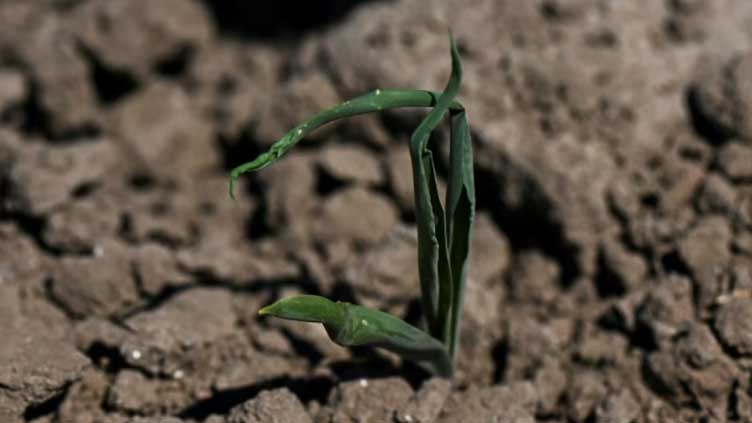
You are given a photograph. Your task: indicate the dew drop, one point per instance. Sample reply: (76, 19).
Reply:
(363, 383)
(378, 91)
(136, 354)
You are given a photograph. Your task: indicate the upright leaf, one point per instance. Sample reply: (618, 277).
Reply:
(460, 205)
(436, 285)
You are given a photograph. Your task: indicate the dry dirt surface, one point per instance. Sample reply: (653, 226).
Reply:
(611, 275)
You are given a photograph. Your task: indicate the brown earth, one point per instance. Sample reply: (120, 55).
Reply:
(611, 274)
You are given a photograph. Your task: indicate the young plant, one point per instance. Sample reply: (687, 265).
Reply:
(443, 233)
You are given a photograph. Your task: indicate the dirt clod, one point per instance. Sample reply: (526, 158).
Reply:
(725, 97)
(515, 402)
(100, 285)
(620, 406)
(13, 89)
(733, 324)
(269, 406)
(426, 403)
(153, 33)
(351, 164)
(43, 178)
(373, 400)
(33, 369)
(174, 327)
(357, 215)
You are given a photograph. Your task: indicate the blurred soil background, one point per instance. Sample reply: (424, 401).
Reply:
(611, 275)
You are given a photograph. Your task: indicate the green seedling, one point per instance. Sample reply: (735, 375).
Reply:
(443, 232)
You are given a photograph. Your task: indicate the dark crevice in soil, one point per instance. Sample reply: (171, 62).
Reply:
(591, 417)
(238, 151)
(35, 118)
(703, 127)
(549, 418)
(671, 262)
(413, 374)
(304, 348)
(84, 190)
(176, 64)
(607, 282)
(732, 412)
(615, 320)
(50, 296)
(154, 302)
(65, 6)
(407, 216)
(126, 233)
(222, 402)
(34, 121)
(500, 354)
(643, 337)
(326, 184)
(343, 291)
(34, 227)
(234, 153)
(728, 350)
(141, 181)
(653, 382)
(110, 84)
(414, 314)
(46, 408)
(171, 242)
(125, 227)
(206, 280)
(650, 200)
(369, 363)
(12, 116)
(256, 226)
(527, 228)
(284, 19)
(109, 359)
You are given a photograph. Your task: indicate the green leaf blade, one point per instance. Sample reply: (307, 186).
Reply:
(445, 284)
(460, 203)
(433, 262)
(352, 325)
(376, 100)
(305, 308)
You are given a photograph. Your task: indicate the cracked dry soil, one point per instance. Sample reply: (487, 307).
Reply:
(612, 261)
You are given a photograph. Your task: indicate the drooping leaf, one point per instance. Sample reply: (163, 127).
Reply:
(352, 325)
(374, 101)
